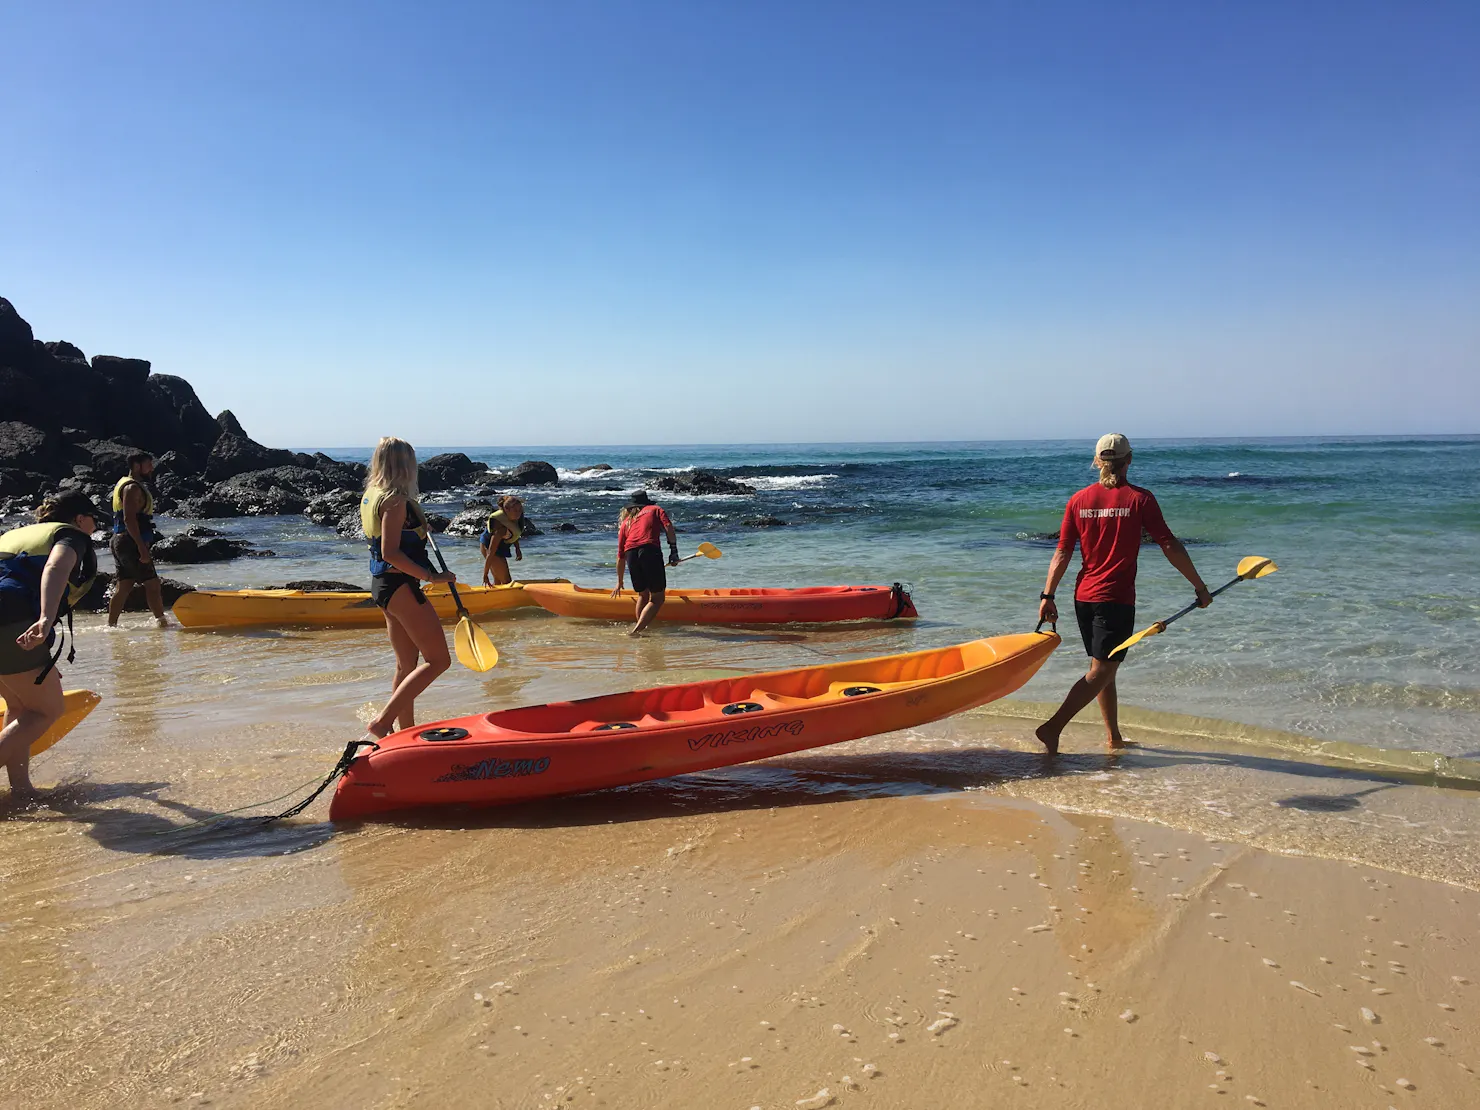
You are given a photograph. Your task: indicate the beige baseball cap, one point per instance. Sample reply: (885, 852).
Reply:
(1112, 446)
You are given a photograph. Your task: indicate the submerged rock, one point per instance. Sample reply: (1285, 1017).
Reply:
(701, 483)
(764, 522)
(532, 473)
(324, 585)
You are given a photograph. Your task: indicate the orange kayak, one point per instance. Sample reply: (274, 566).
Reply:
(76, 705)
(779, 606)
(568, 747)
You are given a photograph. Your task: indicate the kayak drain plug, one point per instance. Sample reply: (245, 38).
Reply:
(444, 734)
(854, 691)
(742, 707)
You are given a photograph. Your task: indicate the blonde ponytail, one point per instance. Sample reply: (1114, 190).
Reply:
(1112, 471)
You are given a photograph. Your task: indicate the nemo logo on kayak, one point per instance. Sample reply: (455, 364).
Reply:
(745, 735)
(495, 769)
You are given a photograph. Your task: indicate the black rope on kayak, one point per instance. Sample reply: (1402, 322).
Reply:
(350, 754)
(901, 596)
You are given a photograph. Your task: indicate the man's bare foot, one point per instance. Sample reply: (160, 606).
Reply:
(1048, 738)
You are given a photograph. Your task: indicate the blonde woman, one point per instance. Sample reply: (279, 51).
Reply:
(1106, 520)
(396, 530)
(500, 538)
(45, 569)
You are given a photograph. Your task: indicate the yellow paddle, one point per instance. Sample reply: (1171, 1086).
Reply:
(708, 550)
(474, 649)
(1254, 566)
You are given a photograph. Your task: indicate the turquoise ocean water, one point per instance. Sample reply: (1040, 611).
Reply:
(1367, 634)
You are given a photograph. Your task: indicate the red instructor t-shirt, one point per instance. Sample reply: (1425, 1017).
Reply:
(640, 530)
(1107, 525)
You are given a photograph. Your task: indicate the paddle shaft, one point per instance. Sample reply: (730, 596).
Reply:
(1193, 606)
(452, 586)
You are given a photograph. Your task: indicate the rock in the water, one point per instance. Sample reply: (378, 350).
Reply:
(96, 599)
(348, 525)
(700, 482)
(763, 522)
(349, 475)
(107, 457)
(566, 526)
(532, 473)
(199, 545)
(173, 462)
(450, 469)
(438, 523)
(324, 586)
(470, 521)
(593, 469)
(233, 455)
(328, 509)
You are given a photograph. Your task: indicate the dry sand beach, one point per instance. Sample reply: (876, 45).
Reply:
(931, 918)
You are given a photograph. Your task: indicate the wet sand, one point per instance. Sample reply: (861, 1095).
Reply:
(930, 918)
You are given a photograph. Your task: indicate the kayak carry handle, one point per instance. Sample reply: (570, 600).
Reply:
(1054, 625)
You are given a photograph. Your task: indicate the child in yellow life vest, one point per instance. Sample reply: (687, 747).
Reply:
(500, 536)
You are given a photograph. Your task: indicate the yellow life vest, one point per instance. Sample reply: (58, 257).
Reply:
(500, 518)
(146, 514)
(413, 536)
(23, 555)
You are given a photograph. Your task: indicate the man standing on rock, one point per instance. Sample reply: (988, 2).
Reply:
(133, 539)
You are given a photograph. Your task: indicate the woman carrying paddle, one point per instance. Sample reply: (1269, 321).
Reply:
(1106, 520)
(45, 569)
(500, 536)
(640, 529)
(396, 530)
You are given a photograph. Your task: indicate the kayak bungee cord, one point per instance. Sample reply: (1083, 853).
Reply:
(350, 753)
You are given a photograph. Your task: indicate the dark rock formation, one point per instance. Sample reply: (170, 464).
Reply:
(438, 523)
(198, 544)
(447, 470)
(593, 469)
(532, 473)
(205, 507)
(700, 482)
(763, 522)
(96, 599)
(566, 526)
(470, 521)
(328, 509)
(325, 586)
(123, 371)
(233, 454)
(24, 446)
(228, 423)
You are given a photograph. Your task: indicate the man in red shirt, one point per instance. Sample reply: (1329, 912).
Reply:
(641, 527)
(1106, 521)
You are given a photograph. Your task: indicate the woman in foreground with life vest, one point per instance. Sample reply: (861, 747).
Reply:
(396, 530)
(1106, 519)
(45, 569)
(500, 537)
(640, 529)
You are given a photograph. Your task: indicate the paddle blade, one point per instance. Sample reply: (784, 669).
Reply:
(1154, 630)
(1255, 566)
(709, 551)
(474, 649)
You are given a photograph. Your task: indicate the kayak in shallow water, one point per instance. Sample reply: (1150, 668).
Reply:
(332, 609)
(777, 606)
(76, 705)
(616, 739)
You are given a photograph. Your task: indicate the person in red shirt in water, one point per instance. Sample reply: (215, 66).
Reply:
(1106, 521)
(640, 529)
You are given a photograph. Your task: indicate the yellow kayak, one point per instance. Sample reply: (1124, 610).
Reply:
(244, 608)
(76, 704)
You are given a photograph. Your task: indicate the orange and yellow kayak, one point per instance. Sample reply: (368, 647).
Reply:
(244, 608)
(76, 705)
(773, 606)
(567, 747)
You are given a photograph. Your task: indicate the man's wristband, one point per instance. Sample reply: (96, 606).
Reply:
(1045, 597)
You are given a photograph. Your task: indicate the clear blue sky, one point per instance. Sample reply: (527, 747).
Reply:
(608, 222)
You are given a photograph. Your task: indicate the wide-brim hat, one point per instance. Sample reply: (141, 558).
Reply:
(640, 497)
